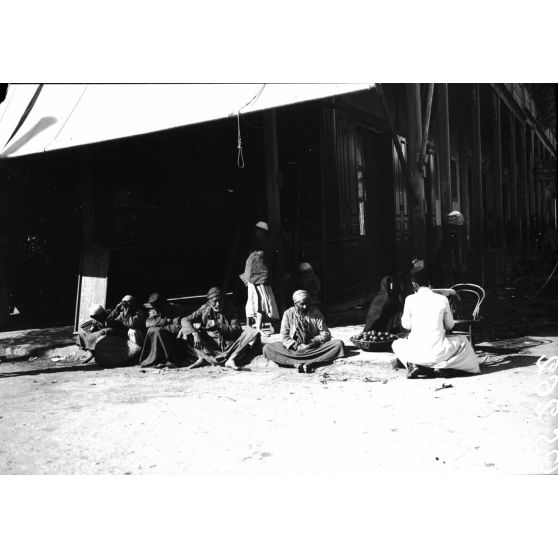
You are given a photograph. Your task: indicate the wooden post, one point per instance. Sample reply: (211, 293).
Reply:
(512, 195)
(274, 200)
(395, 138)
(418, 218)
(478, 211)
(532, 197)
(445, 162)
(497, 170)
(523, 195)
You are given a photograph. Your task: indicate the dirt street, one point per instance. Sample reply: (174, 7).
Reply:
(355, 419)
(356, 416)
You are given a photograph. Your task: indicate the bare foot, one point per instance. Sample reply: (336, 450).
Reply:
(231, 364)
(196, 364)
(308, 368)
(87, 358)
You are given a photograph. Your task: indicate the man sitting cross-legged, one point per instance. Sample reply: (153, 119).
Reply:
(219, 338)
(305, 338)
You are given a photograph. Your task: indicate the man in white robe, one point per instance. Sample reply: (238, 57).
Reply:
(428, 316)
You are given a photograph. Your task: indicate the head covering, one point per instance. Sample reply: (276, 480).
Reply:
(96, 310)
(155, 298)
(300, 295)
(128, 298)
(455, 218)
(384, 308)
(214, 292)
(262, 225)
(305, 266)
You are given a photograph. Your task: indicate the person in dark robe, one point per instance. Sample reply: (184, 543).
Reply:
(307, 280)
(218, 338)
(91, 331)
(128, 320)
(386, 308)
(305, 339)
(161, 347)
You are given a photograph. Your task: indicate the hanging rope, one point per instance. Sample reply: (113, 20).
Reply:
(240, 154)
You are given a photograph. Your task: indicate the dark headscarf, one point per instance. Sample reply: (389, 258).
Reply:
(384, 313)
(156, 299)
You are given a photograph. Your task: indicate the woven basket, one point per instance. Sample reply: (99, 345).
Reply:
(373, 346)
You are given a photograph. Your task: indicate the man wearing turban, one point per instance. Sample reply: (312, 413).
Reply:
(305, 339)
(214, 334)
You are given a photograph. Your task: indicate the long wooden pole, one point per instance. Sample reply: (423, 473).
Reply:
(426, 122)
(397, 144)
(445, 162)
(478, 210)
(497, 170)
(418, 220)
(274, 199)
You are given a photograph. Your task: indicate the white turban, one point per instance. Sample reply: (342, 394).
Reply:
(455, 218)
(300, 295)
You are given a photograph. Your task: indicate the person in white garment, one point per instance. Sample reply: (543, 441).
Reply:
(428, 316)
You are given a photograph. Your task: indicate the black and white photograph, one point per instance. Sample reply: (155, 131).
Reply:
(277, 274)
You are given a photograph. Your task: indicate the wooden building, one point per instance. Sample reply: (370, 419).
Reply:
(356, 182)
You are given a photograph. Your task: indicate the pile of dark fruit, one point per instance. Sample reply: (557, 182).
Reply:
(376, 336)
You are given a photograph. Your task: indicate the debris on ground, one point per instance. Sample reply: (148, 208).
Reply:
(444, 386)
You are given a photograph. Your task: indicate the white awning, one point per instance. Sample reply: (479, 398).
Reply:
(35, 118)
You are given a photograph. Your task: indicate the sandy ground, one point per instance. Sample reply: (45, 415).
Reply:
(359, 415)
(353, 417)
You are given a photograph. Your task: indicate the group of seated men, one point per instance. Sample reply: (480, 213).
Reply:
(168, 336)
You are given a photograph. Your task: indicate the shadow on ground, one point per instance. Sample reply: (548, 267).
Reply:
(508, 362)
(37, 371)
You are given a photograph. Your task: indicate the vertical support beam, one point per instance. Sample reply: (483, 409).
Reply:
(445, 162)
(532, 198)
(523, 194)
(464, 205)
(478, 211)
(499, 213)
(418, 218)
(273, 197)
(513, 187)
(88, 218)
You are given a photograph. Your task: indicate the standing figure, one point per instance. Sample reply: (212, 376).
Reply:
(428, 316)
(161, 346)
(219, 338)
(305, 339)
(257, 277)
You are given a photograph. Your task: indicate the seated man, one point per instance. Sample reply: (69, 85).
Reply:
(161, 347)
(428, 316)
(128, 320)
(305, 338)
(219, 339)
(91, 331)
(384, 313)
